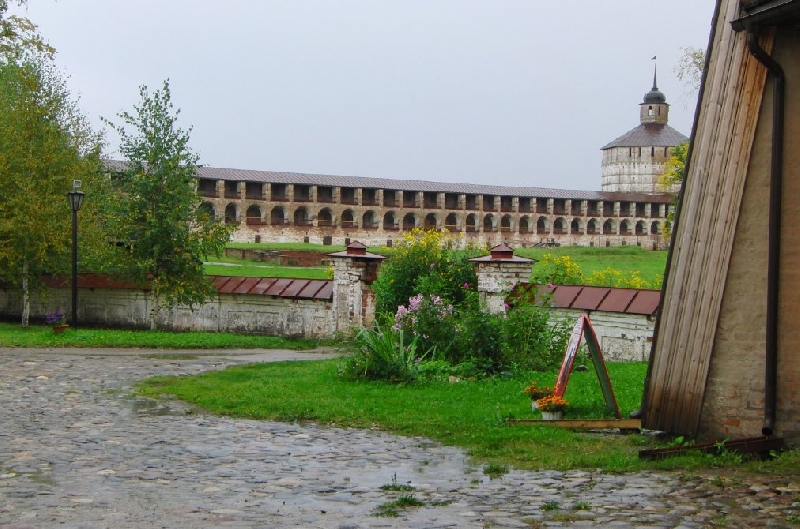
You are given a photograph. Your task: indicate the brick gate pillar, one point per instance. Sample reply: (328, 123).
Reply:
(498, 274)
(354, 270)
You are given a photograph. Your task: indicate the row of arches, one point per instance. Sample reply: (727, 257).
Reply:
(472, 222)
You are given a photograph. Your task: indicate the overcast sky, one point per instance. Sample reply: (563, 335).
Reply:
(521, 92)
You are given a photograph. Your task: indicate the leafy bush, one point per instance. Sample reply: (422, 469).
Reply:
(531, 340)
(557, 270)
(381, 354)
(425, 262)
(430, 319)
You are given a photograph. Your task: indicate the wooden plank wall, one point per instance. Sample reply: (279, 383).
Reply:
(731, 97)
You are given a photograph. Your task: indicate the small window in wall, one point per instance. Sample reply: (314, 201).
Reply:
(650, 110)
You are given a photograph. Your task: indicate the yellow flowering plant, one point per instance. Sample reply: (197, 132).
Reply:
(535, 392)
(552, 403)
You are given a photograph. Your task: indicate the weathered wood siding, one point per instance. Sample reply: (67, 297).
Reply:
(702, 243)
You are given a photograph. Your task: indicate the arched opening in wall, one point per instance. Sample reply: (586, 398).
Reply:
(506, 224)
(390, 222)
(489, 224)
(207, 208)
(253, 216)
(640, 228)
(559, 226)
(409, 222)
(277, 216)
(575, 226)
(608, 227)
(650, 110)
(451, 222)
(430, 222)
(525, 224)
(624, 227)
(348, 220)
(472, 222)
(591, 226)
(324, 218)
(301, 217)
(541, 226)
(230, 213)
(655, 228)
(368, 221)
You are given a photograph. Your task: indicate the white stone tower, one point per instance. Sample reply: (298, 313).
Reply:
(633, 162)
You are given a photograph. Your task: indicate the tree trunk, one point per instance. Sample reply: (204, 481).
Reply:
(26, 295)
(154, 313)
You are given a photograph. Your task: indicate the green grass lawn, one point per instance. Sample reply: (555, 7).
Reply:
(13, 335)
(624, 258)
(468, 414)
(230, 266)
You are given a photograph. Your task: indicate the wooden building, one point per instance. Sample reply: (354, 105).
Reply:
(725, 360)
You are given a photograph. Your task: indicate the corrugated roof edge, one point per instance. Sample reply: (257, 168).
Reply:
(276, 177)
(313, 289)
(636, 300)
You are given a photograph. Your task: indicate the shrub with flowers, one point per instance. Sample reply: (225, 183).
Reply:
(428, 318)
(536, 392)
(552, 403)
(425, 262)
(54, 319)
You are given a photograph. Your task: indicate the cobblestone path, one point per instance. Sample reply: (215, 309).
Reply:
(79, 450)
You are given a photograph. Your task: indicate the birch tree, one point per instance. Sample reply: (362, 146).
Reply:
(159, 215)
(45, 144)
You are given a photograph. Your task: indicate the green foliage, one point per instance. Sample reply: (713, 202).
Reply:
(45, 144)
(429, 319)
(531, 340)
(616, 278)
(381, 354)
(158, 207)
(626, 259)
(690, 67)
(424, 262)
(19, 38)
(557, 270)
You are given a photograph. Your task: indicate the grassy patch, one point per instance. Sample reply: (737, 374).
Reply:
(624, 258)
(468, 414)
(13, 335)
(231, 266)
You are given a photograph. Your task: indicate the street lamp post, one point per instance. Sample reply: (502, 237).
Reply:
(75, 198)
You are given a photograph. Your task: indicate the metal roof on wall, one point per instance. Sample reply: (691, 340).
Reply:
(589, 298)
(275, 177)
(313, 289)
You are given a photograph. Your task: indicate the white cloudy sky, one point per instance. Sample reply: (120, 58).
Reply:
(508, 92)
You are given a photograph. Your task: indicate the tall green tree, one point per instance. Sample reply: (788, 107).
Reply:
(18, 36)
(45, 144)
(159, 217)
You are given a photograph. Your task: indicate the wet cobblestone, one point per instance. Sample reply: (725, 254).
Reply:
(78, 449)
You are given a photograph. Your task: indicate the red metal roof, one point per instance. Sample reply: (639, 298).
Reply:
(589, 298)
(258, 286)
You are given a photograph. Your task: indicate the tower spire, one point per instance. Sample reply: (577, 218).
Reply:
(655, 71)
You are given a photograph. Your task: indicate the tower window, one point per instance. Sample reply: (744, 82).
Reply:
(650, 110)
(652, 152)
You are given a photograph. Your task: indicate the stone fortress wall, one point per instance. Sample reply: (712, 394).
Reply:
(631, 209)
(294, 207)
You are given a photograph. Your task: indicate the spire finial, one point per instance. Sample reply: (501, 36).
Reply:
(655, 68)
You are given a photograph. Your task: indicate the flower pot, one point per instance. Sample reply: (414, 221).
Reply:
(58, 329)
(534, 405)
(551, 415)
